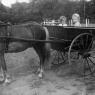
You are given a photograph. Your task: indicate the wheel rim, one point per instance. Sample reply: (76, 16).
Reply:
(83, 47)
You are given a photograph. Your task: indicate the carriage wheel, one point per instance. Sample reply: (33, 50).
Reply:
(82, 54)
(58, 57)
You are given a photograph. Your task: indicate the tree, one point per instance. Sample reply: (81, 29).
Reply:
(37, 10)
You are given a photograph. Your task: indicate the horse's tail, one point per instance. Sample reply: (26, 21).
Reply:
(47, 45)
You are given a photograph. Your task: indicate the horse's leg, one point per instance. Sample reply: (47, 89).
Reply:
(41, 57)
(4, 68)
(1, 74)
(43, 54)
(41, 66)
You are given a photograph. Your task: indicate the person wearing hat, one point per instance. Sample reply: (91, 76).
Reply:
(62, 21)
(76, 20)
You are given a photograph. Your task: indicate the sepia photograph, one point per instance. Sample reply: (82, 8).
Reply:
(47, 47)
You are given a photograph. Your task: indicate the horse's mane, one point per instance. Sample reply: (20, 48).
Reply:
(29, 23)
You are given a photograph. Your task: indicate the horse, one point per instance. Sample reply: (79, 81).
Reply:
(13, 39)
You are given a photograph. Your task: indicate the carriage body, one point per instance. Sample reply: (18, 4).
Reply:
(76, 41)
(65, 35)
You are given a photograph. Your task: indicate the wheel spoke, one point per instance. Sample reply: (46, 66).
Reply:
(84, 66)
(89, 66)
(74, 55)
(82, 41)
(92, 50)
(93, 56)
(86, 43)
(90, 44)
(58, 58)
(73, 50)
(91, 61)
(62, 56)
(55, 56)
(79, 46)
(76, 44)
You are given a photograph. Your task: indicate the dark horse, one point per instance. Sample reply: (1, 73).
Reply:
(14, 38)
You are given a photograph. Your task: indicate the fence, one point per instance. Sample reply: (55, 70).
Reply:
(84, 22)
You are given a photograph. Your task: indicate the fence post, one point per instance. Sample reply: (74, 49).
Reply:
(86, 22)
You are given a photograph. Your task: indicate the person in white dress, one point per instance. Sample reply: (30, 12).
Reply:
(76, 20)
(62, 21)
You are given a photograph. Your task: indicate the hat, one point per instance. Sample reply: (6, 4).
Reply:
(76, 15)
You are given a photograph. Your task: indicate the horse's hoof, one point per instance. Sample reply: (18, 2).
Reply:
(40, 76)
(7, 81)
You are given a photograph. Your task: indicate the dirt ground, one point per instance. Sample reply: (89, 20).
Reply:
(57, 81)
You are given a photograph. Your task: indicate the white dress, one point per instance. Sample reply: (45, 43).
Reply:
(77, 24)
(62, 24)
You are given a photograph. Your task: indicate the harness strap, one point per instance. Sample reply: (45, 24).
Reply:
(47, 33)
(8, 30)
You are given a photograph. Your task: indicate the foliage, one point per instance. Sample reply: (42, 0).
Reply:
(37, 10)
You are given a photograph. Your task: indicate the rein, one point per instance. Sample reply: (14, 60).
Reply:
(33, 40)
